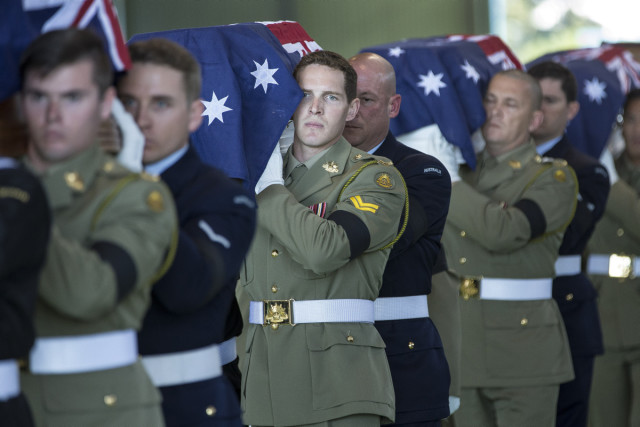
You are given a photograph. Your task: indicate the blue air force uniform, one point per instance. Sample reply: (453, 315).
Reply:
(572, 290)
(416, 355)
(191, 303)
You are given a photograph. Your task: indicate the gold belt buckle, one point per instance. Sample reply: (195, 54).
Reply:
(620, 266)
(277, 312)
(470, 288)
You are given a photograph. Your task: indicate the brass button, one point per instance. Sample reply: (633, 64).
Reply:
(569, 297)
(211, 410)
(108, 166)
(620, 232)
(411, 345)
(274, 288)
(274, 326)
(275, 253)
(463, 260)
(110, 399)
(524, 322)
(350, 338)
(463, 233)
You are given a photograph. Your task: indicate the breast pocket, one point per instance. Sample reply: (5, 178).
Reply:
(348, 364)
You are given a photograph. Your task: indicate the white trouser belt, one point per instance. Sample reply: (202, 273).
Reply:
(613, 265)
(228, 351)
(397, 308)
(184, 367)
(84, 353)
(291, 312)
(9, 379)
(568, 265)
(506, 289)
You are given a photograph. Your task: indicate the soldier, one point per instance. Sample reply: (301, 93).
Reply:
(572, 290)
(183, 336)
(416, 356)
(325, 228)
(25, 222)
(503, 232)
(613, 266)
(113, 234)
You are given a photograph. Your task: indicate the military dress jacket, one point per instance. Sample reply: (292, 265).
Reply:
(416, 355)
(111, 237)
(618, 232)
(324, 236)
(25, 222)
(575, 294)
(190, 303)
(506, 220)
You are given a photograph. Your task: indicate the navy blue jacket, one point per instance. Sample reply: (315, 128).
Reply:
(25, 223)
(575, 295)
(420, 375)
(191, 302)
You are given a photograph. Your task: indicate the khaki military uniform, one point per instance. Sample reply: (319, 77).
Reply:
(616, 377)
(495, 211)
(304, 250)
(96, 201)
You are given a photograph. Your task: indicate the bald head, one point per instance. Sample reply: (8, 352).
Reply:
(378, 101)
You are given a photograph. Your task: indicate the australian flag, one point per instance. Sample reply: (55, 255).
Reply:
(442, 81)
(604, 75)
(248, 91)
(21, 21)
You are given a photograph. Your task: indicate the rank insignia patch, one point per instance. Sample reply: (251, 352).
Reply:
(384, 180)
(559, 175)
(359, 204)
(330, 167)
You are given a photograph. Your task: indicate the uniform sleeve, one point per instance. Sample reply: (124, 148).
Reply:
(429, 187)
(365, 219)
(212, 245)
(25, 222)
(547, 205)
(130, 241)
(624, 206)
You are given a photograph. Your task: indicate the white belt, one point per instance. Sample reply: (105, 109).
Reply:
(9, 379)
(397, 308)
(506, 289)
(84, 353)
(568, 265)
(613, 265)
(291, 312)
(227, 351)
(184, 367)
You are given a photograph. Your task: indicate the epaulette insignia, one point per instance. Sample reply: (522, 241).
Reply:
(559, 175)
(74, 181)
(331, 167)
(384, 180)
(148, 177)
(560, 162)
(515, 164)
(538, 158)
(359, 204)
(108, 166)
(155, 201)
(357, 157)
(382, 162)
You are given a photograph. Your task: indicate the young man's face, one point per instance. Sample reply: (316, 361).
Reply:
(631, 130)
(155, 96)
(510, 115)
(63, 111)
(320, 117)
(556, 109)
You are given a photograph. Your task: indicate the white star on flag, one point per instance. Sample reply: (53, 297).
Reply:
(471, 72)
(594, 89)
(396, 51)
(431, 83)
(264, 75)
(214, 108)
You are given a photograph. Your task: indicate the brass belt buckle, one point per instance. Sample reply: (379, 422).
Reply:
(620, 266)
(278, 312)
(470, 288)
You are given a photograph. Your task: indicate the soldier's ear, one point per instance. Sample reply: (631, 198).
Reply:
(107, 100)
(574, 107)
(536, 120)
(195, 115)
(394, 105)
(354, 106)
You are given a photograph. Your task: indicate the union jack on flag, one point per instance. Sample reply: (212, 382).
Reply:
(604, 75)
